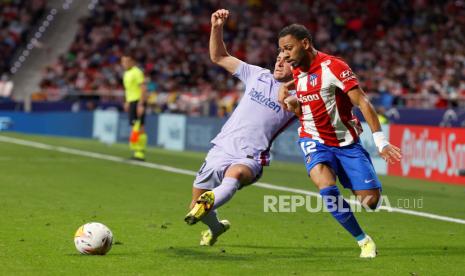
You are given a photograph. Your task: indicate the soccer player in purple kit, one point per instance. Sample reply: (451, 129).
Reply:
(241, 149)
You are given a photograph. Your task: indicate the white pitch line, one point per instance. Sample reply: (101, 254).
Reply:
(354, 202)
(193, 173)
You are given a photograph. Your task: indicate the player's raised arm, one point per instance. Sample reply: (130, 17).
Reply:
(388, 152)
(218, 52)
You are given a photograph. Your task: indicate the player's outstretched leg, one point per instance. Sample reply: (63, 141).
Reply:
(225, 191)
(325, 179)
(341, 211)
(210, 200)
(209, 218)
(201, 208)
(205, 203)
(370, 198)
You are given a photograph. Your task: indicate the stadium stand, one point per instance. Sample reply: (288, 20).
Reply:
(17, 17)
(405, 53)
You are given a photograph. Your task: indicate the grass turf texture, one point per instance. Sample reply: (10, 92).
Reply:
(45, 196)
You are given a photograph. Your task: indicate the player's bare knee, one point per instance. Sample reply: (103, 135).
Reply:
(324, 184)
(371, 201)
(369, 198)
(322, 176)
(322, 181)
(240, 172)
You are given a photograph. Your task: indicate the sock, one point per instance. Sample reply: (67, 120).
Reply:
(142, 141)
(134, 136)
(132, 146)
(225, 191)
(340, 210)
(211, 220)
(140, 145)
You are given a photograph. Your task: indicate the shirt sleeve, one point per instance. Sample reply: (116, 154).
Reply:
(245, 71)
(345, 76)
(139, 77)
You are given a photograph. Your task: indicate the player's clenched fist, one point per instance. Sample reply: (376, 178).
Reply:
(219, 17)
(289, 102)
(283, 93)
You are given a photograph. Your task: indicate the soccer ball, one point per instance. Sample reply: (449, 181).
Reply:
(93, 239)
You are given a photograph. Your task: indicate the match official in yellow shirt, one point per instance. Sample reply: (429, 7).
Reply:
(135, 103)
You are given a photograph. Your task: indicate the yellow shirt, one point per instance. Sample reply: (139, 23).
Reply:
(132, 80)
(383, 119)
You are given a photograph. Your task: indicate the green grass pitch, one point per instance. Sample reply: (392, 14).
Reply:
(46, 195)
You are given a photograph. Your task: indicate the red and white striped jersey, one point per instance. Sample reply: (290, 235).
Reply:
(326, 108)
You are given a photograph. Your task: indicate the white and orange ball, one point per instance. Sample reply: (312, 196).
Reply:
(93, 238)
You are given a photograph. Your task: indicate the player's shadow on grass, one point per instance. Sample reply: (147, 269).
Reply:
(253, 252)
(423, 251)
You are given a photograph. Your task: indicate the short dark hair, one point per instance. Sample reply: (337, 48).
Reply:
(128, 54)
(296, 30)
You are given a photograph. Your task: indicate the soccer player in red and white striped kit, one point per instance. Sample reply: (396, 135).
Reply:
(327, 90)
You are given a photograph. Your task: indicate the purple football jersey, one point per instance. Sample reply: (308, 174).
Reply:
(258, 118)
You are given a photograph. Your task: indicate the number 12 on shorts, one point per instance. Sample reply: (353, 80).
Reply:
(308, 147)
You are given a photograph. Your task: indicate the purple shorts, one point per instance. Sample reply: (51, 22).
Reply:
(217, 162)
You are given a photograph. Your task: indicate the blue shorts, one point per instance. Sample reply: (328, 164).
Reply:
(352, 163)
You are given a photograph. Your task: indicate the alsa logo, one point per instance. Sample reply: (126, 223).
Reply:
(309, 98)
(258, 97)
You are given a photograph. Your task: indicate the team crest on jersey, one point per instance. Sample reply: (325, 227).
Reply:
(313, 79)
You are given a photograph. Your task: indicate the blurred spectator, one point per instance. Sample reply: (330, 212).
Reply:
(406, 52)
(383, 119)
(16, 19)
(6, 87)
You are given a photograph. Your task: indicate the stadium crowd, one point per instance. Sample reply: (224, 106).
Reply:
(400, 49)
(16, 19)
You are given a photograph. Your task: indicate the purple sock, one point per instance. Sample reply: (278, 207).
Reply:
(225, 191)
(211, 220)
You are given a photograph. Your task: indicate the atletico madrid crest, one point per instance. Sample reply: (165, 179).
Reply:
(313, 79)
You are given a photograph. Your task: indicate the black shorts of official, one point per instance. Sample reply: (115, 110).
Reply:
(133, 113)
